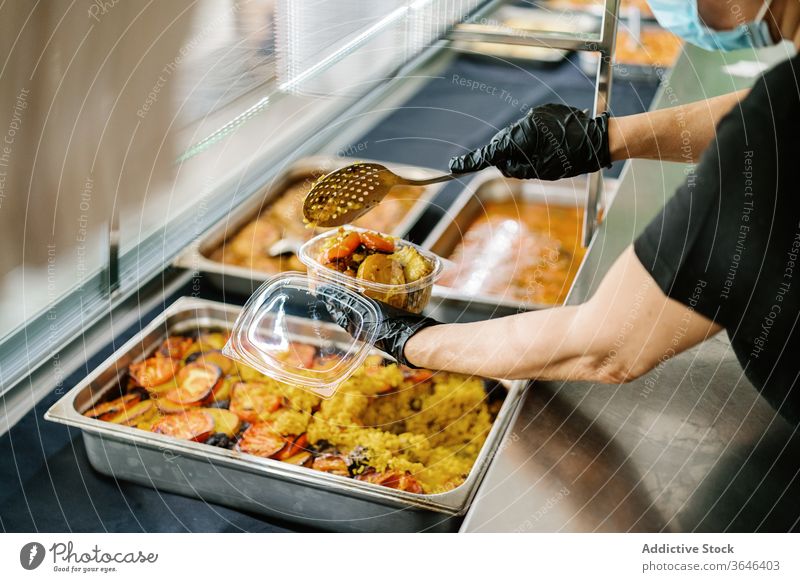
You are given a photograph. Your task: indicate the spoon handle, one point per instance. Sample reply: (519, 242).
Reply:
(436, 180)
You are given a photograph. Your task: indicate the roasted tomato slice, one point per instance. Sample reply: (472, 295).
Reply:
(192, 425)
(216, 358)
(175, 347)
(261, 440)
(110, 409)
(153, 371)
(326, 362)
(294, 446)
(251, 401)
(343, 249)
(416, 375)
(376, 242)
(402, 481)
(195, 382)
(300, 355)
(334, 464)
(132, 414)
(168, 406)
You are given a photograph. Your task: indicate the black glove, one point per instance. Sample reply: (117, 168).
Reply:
(551, 142)
(394, 330)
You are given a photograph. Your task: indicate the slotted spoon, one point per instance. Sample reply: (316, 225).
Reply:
(342, 196)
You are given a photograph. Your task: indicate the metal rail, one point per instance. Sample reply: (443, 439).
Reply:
(602, 43)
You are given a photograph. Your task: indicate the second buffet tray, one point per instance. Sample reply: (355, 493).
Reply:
(232, 254)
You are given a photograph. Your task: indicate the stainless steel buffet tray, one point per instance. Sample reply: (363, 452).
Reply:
(244, 280)
(491, 186)
(265, 486)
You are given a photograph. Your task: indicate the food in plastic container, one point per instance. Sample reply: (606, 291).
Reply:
(382, 267)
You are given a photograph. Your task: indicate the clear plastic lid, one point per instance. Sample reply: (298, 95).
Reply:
(285, 331)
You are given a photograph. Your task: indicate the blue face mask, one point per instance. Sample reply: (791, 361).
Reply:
(682, 18)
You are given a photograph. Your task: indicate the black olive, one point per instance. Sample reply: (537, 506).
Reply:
(323, 447)
(219, 439)
(357, 461)
(193, 356)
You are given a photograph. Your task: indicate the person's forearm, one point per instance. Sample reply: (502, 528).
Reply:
(676, 134)
(519, 346)
(624, 330)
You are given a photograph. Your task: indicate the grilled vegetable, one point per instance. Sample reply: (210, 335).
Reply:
(402, 481)
(415, 266)
(213, 357)
(302, 459)
(109, 409)
(153, 371)
(161, 389)
(294, 446)
(249, 374)
(417, 376)
(300, 355)
(192, 425)
(381, 269)
(131, 415)
(223, 389)
(175, 347)
(195, 382)
(225, 421)
(213, 341)
(375, 242)
(343, 248)
(168, 406)
(260, 440)
(148, 420)
(253, 401)
(334, 464)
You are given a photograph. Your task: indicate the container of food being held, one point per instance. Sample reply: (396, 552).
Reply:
(382, 267)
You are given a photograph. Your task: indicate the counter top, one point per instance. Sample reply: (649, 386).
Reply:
(689, 447)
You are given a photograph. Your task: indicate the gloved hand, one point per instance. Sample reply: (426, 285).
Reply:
(394, 330)
(551, 142)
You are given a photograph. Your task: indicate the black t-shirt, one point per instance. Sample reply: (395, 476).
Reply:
(728, 243)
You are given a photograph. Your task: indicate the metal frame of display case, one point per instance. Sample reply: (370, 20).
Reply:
(602, 43)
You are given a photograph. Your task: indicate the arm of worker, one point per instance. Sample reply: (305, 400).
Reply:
(622, 332)
(557, 141)
(675, 134)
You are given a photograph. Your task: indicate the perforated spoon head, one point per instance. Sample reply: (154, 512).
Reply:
(344, 195)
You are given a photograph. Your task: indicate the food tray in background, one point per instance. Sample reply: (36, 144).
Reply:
(553, 200)
(206, 254)
(627, 8)
(646, 60)
(529, 20)
(260, 485)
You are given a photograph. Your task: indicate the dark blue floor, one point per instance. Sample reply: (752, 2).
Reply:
(46, 483)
